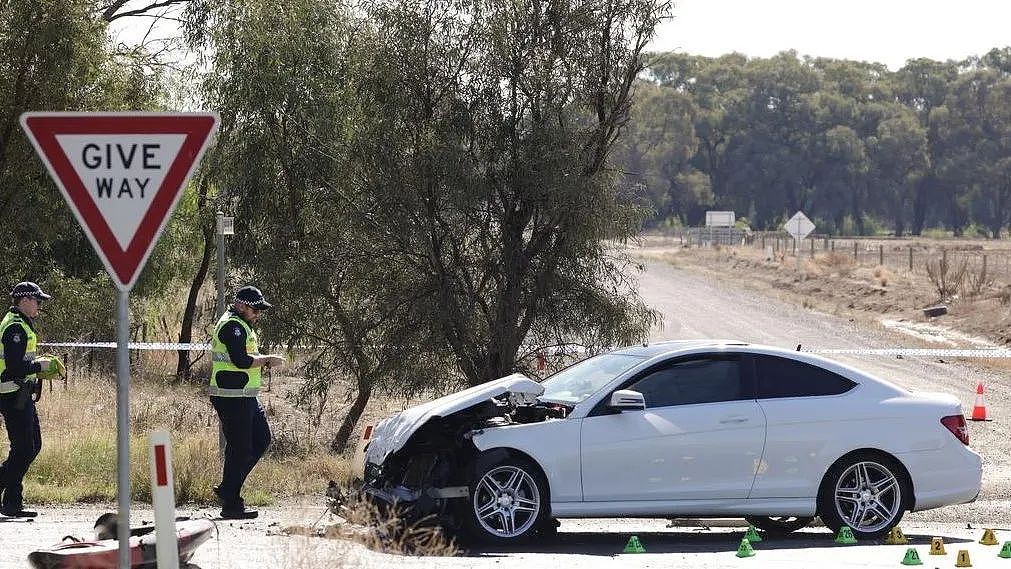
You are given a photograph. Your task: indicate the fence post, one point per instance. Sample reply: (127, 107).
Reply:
(824, 245)
(881, 254)
(910, 258)
(855, 257)
(832, 244)
(812, 248)
(983, 273)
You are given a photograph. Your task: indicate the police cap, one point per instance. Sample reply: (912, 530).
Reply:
(252, 297)
(29, 288)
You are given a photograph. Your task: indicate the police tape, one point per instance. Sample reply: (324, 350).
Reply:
(920, 352)
(893, 352)
(133, 346)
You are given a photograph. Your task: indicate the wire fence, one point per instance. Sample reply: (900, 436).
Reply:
(991, 259)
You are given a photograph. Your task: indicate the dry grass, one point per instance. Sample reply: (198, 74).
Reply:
(366, 524)
(78, 458)
(837, 263)
(883, 275)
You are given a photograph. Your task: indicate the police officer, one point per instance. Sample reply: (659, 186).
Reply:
(234, 385)
(18, 381)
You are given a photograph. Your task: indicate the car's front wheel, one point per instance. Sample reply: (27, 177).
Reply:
(508, 502)
(865, 491)
(779, 525)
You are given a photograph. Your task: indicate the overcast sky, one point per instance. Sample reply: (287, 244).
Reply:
(885, 31)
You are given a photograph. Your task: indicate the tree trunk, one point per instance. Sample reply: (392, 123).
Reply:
(340, 440)
(186, 331)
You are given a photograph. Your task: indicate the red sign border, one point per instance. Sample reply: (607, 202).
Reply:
(124, 266)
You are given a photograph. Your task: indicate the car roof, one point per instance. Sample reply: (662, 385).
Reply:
(661, 348)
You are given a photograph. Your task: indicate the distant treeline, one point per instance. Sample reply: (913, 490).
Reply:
(857, 147)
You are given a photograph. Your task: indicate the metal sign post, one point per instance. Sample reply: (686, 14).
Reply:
(799, 226)
(123, 425)
(122, 175)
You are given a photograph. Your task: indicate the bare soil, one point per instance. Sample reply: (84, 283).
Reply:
(876, 295)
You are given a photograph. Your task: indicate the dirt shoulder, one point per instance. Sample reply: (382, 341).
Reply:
(871, 295)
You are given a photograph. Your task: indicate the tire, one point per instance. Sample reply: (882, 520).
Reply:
(866, 491)
(779, 525)
(508, 502)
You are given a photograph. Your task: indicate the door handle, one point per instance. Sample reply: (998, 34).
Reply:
(733, 420)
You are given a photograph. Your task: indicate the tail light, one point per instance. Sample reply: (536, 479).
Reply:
(956, 424)
(368, 432)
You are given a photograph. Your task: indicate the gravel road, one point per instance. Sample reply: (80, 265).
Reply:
(694, 307)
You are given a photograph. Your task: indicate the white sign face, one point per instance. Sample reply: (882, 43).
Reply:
(799, 226)
(122, 172)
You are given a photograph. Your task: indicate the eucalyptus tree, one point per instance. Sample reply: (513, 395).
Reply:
(656, 148)
(492, 156)
(772, 153)
(426, 183)
(290, 85)
(922, 85)
(976, 128)
(900, 158)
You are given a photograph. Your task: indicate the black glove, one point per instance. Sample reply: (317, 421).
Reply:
(36, 391)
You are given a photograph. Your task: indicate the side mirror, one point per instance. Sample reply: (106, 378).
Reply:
(627, 400)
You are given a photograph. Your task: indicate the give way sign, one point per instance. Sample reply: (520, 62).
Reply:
(122, 174)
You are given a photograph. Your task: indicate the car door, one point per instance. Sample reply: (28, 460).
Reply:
(805, 416)
(700, 437)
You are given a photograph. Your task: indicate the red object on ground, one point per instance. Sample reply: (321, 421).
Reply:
(104, 553)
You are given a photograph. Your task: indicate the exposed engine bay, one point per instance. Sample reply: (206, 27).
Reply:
(437, 463)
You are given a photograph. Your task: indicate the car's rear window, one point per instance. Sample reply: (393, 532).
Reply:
(577, 382)
(783, 377)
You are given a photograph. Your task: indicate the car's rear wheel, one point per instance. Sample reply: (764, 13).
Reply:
(779, 525)
(865, 491)
(508, 502)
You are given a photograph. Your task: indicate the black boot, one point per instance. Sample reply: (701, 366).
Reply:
(18, 513)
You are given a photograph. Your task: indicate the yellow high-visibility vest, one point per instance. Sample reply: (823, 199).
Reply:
(222, 362)
(14, 319)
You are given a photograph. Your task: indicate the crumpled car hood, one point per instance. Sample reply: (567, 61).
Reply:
(392, 433)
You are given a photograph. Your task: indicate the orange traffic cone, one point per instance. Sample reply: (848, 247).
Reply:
(979, 409)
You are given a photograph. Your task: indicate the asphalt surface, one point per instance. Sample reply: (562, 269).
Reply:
(694, 307)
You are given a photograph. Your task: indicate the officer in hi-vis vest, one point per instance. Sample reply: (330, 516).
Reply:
(235, 383)
(19, 367)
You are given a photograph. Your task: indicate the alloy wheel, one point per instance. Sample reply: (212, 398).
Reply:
(868, 496)
(506, 501)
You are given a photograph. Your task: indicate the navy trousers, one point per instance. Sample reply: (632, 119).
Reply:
(247, 436)
(25, 436)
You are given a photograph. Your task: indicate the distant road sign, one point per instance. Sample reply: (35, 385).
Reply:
(799, 226)
(719, 219)
(122, 175)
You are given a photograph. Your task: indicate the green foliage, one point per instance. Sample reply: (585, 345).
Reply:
(410, 173)
(924, 145)
(54, 55)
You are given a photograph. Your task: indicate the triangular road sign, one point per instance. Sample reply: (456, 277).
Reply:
(122, 174)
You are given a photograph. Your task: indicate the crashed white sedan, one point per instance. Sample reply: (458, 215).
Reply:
(676, 429)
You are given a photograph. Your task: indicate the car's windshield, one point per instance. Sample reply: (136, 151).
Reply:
(575, 383)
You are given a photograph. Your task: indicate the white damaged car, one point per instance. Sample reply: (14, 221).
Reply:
(676, 429)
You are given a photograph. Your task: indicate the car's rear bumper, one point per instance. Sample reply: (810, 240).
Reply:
(944, 477)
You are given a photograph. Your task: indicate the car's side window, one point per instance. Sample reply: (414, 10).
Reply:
(701, 380)
(783, 377)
